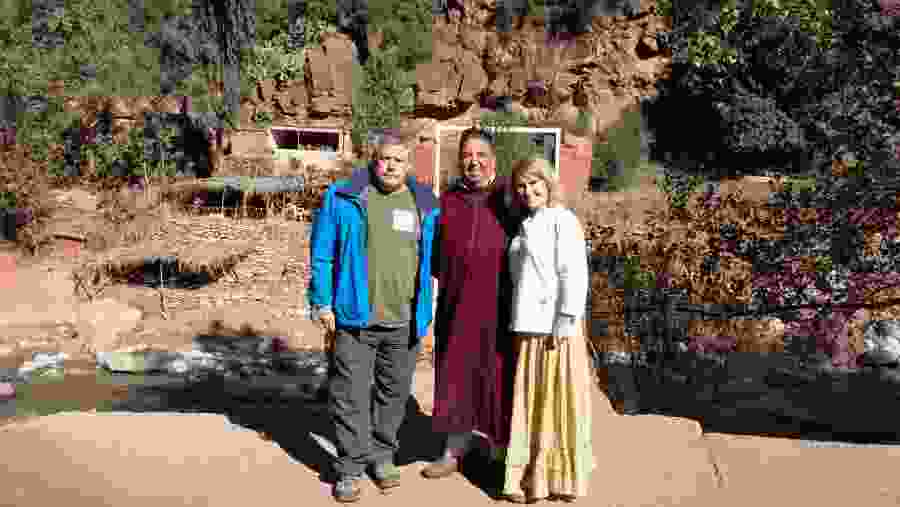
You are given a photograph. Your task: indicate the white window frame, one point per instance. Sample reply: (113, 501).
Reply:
(459, 128)
(336, 131)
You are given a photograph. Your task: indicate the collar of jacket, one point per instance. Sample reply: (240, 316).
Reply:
(460, 185)
(357, 187)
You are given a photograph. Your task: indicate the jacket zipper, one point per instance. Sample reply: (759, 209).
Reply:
(365, 232)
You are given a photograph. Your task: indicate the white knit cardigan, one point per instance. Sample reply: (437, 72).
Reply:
(548, 264)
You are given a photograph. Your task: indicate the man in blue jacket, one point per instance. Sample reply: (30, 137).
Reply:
(371, 285)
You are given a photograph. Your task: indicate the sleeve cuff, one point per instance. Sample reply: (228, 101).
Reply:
(565, 325)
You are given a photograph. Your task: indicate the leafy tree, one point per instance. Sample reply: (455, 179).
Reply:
(158, 10)
(321, 17)
(406, 25)
(707, 30)
(271, 18)
(40, 122)
(786, 103)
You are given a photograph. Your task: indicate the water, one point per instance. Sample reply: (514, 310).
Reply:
(243, 371)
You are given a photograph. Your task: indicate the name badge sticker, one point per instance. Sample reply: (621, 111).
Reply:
(404, 221)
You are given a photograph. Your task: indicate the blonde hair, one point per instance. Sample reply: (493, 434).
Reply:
(540, 168)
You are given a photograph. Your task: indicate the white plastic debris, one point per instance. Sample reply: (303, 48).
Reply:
(43, 361)
(178, 366)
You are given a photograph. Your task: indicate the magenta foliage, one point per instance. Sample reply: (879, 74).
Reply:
(890, 7)
(88, 135)
(560, 40)
(279, 345)
(664, 281)
(8, 135)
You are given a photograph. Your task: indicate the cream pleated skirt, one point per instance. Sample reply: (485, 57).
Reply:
(551, 450)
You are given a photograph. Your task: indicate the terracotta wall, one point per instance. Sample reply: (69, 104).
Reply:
(575, 167)
(424, 162)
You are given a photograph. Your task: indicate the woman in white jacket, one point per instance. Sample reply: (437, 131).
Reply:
(550, 453)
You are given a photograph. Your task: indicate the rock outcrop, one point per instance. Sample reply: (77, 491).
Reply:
(580, 83)
(330, 73)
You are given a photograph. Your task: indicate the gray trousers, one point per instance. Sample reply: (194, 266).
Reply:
(366, 417)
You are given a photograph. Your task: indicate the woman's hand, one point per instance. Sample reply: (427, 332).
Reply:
(564, 326)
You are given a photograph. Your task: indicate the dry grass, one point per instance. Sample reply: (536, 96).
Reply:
(214, 259)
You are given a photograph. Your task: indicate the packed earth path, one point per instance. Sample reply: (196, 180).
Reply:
(217, 444)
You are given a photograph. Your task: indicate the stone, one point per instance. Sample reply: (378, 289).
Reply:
(118, 106)
(567, 114)
(56, 88)
(120, 129)
(297, 95)
(141, 106)
(167, 104)
(454, 75)
(265, 89)
(647, 47)
(330, 70)
(881, 342)
(100, 322)
(290, 104)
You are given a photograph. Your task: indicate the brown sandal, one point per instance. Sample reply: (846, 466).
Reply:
(440, 469)
(515, 498)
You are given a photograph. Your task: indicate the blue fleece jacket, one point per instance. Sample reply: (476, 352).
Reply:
(339, 262)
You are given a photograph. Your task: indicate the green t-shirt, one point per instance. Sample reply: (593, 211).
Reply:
(393, 224)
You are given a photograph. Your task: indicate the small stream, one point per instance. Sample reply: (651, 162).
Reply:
(753, 394)
(220, 374)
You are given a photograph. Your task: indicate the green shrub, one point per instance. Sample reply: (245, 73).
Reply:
(635, 278)
(380, 95)
(132, 153)
(7, 200)
(509, 146)
(40, 129)
(706, 47)
(406, 25)
(824, 264)
(321, 17)
(623, 143)
(262, 119)
(679, 198)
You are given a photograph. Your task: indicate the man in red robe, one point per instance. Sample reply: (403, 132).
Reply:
(473, 354)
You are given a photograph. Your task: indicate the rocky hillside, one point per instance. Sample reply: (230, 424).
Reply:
(601, 72)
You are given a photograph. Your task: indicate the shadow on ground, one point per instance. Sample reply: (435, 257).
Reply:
(289, 410)
(798, 402)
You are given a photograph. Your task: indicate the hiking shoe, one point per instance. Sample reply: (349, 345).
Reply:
(346, 489)
(386, 475)
(442, 468)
